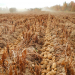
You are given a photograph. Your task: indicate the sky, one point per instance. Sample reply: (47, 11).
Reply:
(31, 3)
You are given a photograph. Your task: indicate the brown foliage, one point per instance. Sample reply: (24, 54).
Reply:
(37, 69)
(8, 48)
(3, 58)
(68, 67)
(15, 71)
(10, 70)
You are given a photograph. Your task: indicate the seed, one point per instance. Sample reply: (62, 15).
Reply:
(49, 56)
(55, 69)
(45, 62)
(42, 62)
(32, 65)
(53, 65)
(43, 66)
(44, 71)
(46, 43)
(52, 49)
(54, 72)
(45, 52)
(53, 59)
(48, 49)
(42, 54)
(45, 56)
(48, 68)
(43, 74)
(49, 73)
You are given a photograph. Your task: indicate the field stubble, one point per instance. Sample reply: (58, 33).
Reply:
(40, 43)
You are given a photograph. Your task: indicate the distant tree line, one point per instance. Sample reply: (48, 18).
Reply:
(66, 7)
(12, 10)
(35, 9)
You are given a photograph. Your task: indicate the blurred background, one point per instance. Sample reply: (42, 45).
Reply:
(34, 5)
